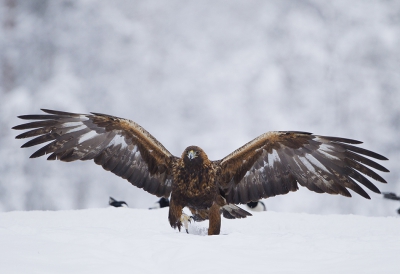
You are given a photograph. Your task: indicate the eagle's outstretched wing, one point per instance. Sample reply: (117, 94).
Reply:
(118, 145)
(275, 162)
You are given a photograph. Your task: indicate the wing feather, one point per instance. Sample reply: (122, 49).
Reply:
(276, 162)
(118, 145)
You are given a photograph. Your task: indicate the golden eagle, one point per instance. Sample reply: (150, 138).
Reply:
(272, 164)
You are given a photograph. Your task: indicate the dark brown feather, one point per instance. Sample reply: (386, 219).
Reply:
(364, 152)
(365, 161)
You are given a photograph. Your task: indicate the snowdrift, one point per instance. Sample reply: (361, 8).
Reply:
(123, 240)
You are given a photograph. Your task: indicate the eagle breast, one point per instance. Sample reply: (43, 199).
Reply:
(194, 179)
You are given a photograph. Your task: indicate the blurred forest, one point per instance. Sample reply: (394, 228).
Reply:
(210, 73)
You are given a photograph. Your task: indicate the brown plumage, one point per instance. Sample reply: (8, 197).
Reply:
(272, 164)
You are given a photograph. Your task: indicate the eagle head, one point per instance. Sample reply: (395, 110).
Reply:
(194, 154)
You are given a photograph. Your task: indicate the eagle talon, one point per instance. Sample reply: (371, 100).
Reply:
(185, 220)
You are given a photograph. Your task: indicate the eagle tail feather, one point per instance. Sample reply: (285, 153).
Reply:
(231, 211)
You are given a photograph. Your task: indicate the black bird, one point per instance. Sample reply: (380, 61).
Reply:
(115, 203)
(257, 206)
(391, 196)
(163, 202)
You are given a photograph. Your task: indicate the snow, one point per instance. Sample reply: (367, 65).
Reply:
(125, 240)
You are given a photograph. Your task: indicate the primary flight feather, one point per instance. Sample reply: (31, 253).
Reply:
(272, 164)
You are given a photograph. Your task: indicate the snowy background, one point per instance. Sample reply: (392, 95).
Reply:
(210, 73)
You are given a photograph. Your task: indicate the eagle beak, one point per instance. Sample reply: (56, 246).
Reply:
(191, 155)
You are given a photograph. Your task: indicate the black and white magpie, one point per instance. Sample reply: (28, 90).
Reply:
(257, 206)
(115, 203)
(163, 202)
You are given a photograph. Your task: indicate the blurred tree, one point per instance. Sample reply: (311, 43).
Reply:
(7, 66)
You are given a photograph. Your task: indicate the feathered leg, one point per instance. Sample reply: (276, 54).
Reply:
(175, 214)
(215, 220)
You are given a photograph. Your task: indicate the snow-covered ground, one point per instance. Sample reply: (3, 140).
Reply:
(124, 240)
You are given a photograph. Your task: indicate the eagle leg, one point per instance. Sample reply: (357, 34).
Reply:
(175, 215)
(215, 220)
